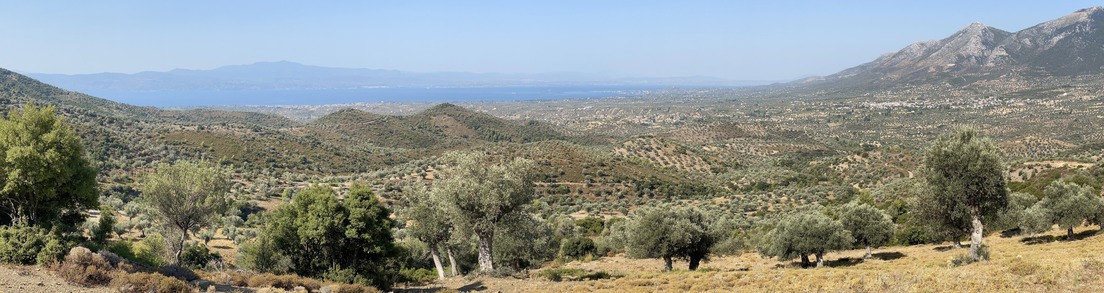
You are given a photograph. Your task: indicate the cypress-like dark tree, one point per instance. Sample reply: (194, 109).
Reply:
(966, 175)
(869, 226)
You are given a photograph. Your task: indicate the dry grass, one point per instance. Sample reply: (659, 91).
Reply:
(1016, 265)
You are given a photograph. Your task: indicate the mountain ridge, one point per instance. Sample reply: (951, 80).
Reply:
(1072, 45)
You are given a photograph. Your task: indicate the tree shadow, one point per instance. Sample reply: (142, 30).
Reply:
(943, 248)
(476, 286)
(1011, 233)
(843, 262)
(887, 256)
(1041, 239)
(1084, 234)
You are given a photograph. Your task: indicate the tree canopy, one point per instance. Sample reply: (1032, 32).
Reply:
(45, 175)
(869, 226)
(186, 196)
(1069, 205)
(805, 233)
(668, 233)
(318, 235)
(966, 175)
(480, 194)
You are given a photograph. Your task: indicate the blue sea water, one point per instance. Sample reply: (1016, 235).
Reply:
(364, 95)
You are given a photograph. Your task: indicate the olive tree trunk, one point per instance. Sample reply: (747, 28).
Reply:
(437, 260)
(667, 263)
(1069, 234)
(180, 244)
(486, 243)
(695, 260)
(804, 260)
(975, 237)
(868, 254)
(820, 260)
(452, 261)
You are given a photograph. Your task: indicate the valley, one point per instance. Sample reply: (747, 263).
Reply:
(986, 136)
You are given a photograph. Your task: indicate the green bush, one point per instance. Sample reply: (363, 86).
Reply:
(418, 275)
(577, 248)
(25, 245)
(557, 274)
(52, 252)
(197, 256)
(150, 250)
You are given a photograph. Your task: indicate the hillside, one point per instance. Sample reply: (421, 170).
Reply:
(1018, 264)
(441, 127)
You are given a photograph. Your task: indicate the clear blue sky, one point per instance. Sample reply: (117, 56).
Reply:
(754, 40)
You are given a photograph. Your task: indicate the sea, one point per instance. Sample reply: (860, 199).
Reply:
(199, 98)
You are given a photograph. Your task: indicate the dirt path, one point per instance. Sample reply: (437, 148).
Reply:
(35, 279)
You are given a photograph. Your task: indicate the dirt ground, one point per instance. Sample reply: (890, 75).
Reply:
(17, 279)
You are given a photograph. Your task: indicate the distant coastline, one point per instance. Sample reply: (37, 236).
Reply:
(366, 95)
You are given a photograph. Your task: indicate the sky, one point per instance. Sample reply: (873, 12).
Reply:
(739, 40)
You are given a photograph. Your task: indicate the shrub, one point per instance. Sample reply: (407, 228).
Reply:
(577, 247)
(962, 259)
(418, 275)
(51, 253)
(197, 256)
(354, 288)
(23, 244)
(148, 282)
(557, 274)
(150, 250)
(85, 268)
(178, 272)
(286, 282)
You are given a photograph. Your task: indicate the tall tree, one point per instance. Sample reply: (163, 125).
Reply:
(428, 222)
(1070, 204)
(869, 226)
(966, 174)
(186, 196)
(45, 175)
(480, 194)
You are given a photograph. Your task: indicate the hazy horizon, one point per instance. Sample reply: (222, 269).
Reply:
(729, 40)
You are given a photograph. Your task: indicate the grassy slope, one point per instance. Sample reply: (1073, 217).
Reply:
(1016, 265)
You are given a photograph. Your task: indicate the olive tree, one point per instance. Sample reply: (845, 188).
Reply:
(429, 223)
(1070, 204)
(480, 194)
(186, 196)
(44, 174)
(668, 233)
(868, 225)
(966, 175)
(802, 234)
